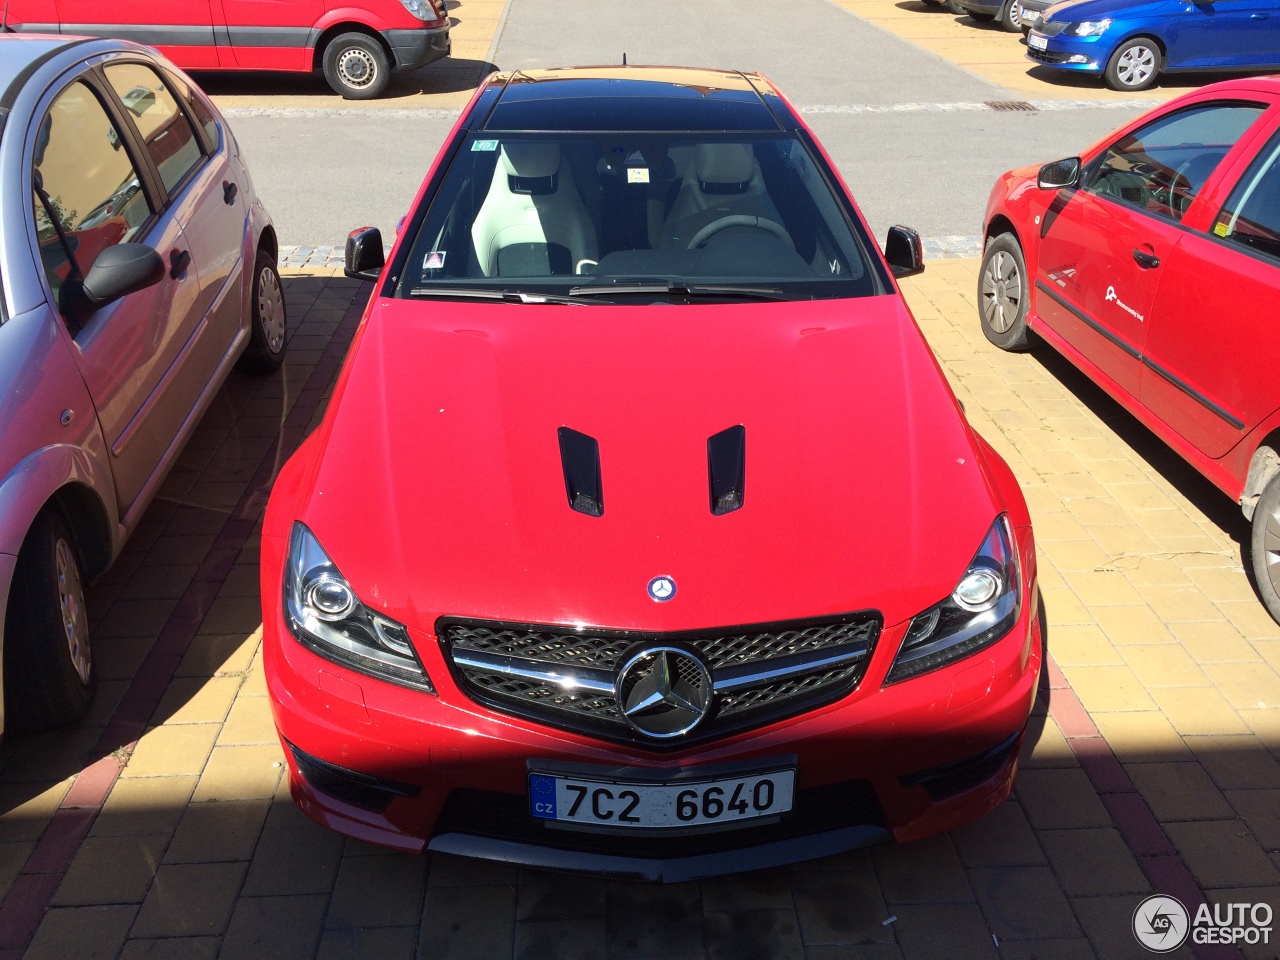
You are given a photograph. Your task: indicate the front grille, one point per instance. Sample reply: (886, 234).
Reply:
(1047, 56)
(504, 816)
(583, 665)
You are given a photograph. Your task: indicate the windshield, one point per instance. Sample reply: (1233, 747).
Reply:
(571, 214)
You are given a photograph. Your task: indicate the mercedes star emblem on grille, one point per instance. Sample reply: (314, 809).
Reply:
(661, 589)
(664, 692)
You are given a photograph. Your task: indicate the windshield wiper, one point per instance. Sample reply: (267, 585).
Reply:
(684, 290)
(503, 296)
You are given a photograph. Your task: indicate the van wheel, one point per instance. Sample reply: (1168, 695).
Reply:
(1264, 547)
(267, 325)
(356, 66)
(1004, 293)
(48, 663)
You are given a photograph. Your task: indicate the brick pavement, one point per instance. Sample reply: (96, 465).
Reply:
(1154, 766)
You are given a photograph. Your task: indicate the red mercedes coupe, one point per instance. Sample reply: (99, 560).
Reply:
(643, 535)
(1152, 262)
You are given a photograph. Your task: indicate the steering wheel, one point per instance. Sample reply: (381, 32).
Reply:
(1117, 182)
(1175, 201)
(740, 220)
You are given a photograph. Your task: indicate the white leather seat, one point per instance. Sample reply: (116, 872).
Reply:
(722, 180)
(534, 213)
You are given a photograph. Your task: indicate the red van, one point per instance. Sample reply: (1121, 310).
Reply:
(356, 43)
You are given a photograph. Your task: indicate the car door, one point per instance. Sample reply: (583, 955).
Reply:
(181, 29)
(1224, 33)
(271, 34)
(200, 188)
(1102, 245)
(1213, 350)
(93, 188)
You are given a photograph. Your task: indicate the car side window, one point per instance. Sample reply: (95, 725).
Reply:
(197, 108)
(1160, 167)
(88, 193)
(1251, 215)
(170, 139)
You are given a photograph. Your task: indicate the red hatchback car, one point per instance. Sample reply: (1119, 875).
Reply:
(643, 534)
(355, 44)
(1152, 263)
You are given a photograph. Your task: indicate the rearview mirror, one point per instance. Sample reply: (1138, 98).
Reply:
(365, 259)
(120, 270)
(904, 252)
(1059, 174)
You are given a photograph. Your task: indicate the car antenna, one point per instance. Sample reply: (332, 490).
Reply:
(624, 53)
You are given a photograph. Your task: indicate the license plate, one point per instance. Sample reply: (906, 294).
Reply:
(1037, 43)
(660, 805)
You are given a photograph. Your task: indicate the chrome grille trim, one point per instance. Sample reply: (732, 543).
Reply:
(565, 676)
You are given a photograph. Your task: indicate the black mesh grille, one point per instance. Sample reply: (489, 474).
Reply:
(597, 714)
(1048, 56)
(504, 816)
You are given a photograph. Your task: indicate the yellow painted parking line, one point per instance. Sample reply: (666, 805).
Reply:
(444, 85)
(991, 53)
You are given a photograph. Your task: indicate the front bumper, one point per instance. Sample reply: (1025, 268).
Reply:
(444, 773)
(417, 48)
(1079, 54)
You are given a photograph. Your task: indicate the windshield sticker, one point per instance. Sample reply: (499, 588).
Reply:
(484, 146)
(637, 174)
(1111, 296)
(1221, 229)
(434, 260)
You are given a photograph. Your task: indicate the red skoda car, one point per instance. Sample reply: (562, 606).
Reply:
(643, 534)
(1152, 262)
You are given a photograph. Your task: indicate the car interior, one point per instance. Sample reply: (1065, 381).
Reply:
(636, 206)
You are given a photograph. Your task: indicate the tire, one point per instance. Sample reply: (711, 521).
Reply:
(932, 3)
(1135, 65)
(356, 66)
(1004, 294)
(268, 325)
(1011, 16)
(1264, 547)
(49, 678)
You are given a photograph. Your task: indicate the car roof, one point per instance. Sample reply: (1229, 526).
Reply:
(633, 98)
(20, 51)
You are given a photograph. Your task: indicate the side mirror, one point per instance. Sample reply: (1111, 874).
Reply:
(120, 270)
(1059, 174)
(365, 259)
(904, 252)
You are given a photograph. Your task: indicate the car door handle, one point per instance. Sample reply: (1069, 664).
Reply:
(1146, 260)
(229, 191)
(1258, 16)
(179, 260)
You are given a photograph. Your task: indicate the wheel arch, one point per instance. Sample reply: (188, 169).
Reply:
(1001, 224)
(1143, 35)
(348, 26)
(1263, 465)
(267, 241)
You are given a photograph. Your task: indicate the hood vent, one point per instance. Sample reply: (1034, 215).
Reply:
(727, 469)
(580, 458)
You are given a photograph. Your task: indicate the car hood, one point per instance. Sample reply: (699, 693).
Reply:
(439, 487)
(1079, 11)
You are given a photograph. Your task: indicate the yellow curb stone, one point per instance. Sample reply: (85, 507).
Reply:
(1108, 688)
(1198, 710)
(1132, 624)
(197, 700)
(166, 751)
(241, 773)
(1141, 736)
(1163, 665)
(1247, 686)
(1080, 644)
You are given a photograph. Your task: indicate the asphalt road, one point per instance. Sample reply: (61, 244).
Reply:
(928, 163)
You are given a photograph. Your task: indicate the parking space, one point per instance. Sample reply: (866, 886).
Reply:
(162, 827)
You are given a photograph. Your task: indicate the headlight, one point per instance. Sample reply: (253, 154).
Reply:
(983, 607)
(420, 9)
(324, 615)
(1089, 28)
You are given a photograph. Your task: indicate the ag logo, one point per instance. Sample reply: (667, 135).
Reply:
(1161, 924)
(661, 589)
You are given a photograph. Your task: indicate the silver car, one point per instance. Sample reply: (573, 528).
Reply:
(137, 268)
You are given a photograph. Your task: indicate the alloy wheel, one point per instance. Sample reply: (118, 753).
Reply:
(75, 618)
(1015, 14)
(1271, 546)
(271, 309)
(1001, 292)
(1136, 66)
(357, 68)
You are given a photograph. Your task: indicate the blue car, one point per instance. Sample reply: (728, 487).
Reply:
(1131, 43)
